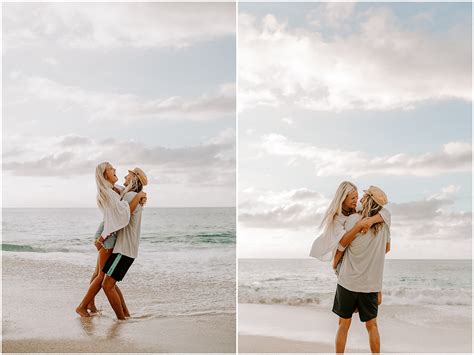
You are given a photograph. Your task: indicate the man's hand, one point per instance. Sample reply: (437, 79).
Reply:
(142, 201)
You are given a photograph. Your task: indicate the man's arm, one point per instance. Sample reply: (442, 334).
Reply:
(337, 258)
(349, 236)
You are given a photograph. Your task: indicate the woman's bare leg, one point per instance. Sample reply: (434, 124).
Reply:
(91, 306)
(95, 285)
(122, 300)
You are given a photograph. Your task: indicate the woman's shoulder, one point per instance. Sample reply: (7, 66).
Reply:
(355, 217)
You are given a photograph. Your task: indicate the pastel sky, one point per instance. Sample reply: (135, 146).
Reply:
(375, 93)
(145, 84)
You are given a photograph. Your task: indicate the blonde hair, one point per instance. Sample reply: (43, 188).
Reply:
(371, 208)
(335, 208)
(102, 185)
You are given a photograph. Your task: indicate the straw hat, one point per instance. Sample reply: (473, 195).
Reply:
(377, 195)
(141, 175)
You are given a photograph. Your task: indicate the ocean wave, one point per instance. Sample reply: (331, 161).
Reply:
(433, 296)
(24, 248)
(395, 296)
(289, 301)
(198, 238)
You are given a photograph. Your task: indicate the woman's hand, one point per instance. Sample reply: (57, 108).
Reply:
(99, 243)
(143, 198)
(364, 225)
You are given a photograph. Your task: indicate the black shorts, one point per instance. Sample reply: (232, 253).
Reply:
(117, 266)
(346, 302)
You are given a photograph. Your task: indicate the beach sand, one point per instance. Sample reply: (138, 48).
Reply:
(185, 334)
(281, 328)
(39, 298)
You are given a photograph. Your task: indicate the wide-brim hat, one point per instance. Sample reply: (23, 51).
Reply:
(377, 195)
(141, 175)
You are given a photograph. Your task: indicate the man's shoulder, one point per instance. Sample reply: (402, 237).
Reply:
(129, 196)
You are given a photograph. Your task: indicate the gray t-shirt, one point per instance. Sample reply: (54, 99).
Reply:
(129, 236)
(363, 261)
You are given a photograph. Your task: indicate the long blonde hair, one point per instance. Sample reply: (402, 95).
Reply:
(371, 208)
(102, 185)
(335, 208)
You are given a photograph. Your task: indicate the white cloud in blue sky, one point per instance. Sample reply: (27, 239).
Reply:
(379, 94)
(137, 84)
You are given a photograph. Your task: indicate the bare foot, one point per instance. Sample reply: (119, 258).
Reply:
(92, 308)
(82, 312)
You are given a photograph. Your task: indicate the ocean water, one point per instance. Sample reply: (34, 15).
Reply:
(441, 287)
(185, 263)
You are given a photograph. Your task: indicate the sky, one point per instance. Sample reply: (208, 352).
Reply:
(374, 93)
(146, 84)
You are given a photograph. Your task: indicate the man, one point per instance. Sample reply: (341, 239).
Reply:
(126, 248)
(361, 273)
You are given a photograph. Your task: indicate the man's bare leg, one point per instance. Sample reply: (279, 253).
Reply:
(112, 295)
(374, 337)
(122, 300)
(341, 336)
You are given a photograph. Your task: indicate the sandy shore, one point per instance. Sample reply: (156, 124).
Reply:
(38, 316)
(280, 328)
(185, 334)
(264, 344)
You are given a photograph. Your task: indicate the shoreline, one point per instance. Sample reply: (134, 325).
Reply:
(213, 334)
(283, 328)
(268, 344)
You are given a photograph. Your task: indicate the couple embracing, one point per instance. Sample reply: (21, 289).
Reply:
(117, 237)
(356, 242)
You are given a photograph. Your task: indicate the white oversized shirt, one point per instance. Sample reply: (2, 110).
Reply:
(116, 215)
(324, 247)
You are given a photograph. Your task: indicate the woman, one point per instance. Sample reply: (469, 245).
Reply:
(116, 216)
(333, 229)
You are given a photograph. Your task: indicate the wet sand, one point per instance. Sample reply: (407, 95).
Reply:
(281, 328)
(38, 316)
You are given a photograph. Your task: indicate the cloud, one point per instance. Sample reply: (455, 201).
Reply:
(331, 14)
(454, 157)
(378, 65)
(209, 164)
(426, 219)
(296, 208)
(116, 25)
(125, 107)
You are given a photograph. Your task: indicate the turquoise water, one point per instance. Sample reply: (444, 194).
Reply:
(72, 230)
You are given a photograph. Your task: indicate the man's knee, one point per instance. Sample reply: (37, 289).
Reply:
(108, 284)
(344, 323)
(371, 324)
